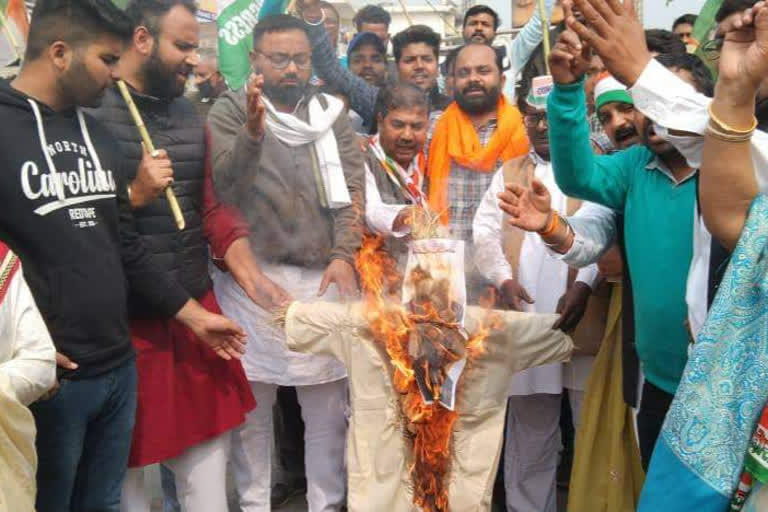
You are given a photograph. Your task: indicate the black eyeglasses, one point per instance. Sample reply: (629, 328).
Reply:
(283, 60)
(533, 120)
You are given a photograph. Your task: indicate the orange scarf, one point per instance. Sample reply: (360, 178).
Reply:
(455, 139)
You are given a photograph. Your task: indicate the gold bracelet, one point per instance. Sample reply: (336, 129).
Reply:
(715, 132)
(725, 128)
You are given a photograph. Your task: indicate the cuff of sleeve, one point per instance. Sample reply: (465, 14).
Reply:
(343, 256)
(173, 300)
(588, 275)
(567, 95)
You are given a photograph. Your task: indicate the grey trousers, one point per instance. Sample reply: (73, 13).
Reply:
(531, 452)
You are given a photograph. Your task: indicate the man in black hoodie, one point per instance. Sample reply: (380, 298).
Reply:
(66, 214)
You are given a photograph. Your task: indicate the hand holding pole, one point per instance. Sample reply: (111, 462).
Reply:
(172, 201)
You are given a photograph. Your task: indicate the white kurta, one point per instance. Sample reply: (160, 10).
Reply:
(27, 370)
(543, 276)
(267, 359)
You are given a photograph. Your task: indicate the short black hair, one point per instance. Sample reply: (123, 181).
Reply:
(499, 58)
(415, 34)
(366, 39)
(702, 76)
(729, 7)
(481, 9)
(327, 5)
(690, 19)
(371, 14)
(277, 23)
(76, 22)
(400, 95)
(148, 13)
(663, 41)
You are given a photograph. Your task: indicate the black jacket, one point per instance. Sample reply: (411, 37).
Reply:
(175, 126)
(66, 214)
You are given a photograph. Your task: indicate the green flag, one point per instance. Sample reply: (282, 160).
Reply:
(235, 23)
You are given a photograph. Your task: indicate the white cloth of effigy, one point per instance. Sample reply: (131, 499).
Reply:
(378, 455)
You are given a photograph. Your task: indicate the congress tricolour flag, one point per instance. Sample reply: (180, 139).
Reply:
(235, 22)
(13, 39)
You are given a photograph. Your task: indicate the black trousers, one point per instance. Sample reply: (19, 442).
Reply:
(653, 408)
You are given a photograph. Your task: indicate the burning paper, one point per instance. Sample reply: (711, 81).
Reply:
(434, 292)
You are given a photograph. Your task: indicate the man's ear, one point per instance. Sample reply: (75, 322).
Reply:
(61, 55)
(143, 40)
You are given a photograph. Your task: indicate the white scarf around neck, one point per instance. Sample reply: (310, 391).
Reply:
(319, 131)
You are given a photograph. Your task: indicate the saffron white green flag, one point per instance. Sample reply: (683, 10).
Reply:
(235, 22)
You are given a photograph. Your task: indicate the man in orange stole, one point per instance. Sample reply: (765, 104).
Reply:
(473, 137)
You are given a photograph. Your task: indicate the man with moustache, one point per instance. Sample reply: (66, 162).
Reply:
(289, 160)
(616, 112)
(395, 163)
(368, 58)
(189, 400)
(67, 215)
(533, 432)
(475, 135)
(645, 183)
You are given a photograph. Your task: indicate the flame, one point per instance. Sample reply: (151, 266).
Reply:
(429, 320)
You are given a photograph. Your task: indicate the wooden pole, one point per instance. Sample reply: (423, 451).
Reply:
(544, 33)
(139, 122)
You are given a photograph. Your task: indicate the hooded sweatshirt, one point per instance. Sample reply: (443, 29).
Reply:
(65, 212)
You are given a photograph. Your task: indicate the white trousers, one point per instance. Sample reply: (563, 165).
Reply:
(200, 474)
(323, 409)
(531, 452)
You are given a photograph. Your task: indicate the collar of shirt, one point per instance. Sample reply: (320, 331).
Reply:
(537, 159)
(658, 165)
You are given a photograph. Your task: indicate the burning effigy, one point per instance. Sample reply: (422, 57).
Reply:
(428, 377)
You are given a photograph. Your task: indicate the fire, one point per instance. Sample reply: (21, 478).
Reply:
(420, 338)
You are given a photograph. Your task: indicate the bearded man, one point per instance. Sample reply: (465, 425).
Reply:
(475, 135)
(189, 400)
(287, 156)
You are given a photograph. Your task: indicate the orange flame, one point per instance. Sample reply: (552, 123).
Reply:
(429, 426)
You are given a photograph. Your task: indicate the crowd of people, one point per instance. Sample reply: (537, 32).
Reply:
(608, 181)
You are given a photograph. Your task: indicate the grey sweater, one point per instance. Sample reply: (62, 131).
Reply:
(279, 189)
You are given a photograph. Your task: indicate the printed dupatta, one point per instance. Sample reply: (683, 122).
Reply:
(698, 459)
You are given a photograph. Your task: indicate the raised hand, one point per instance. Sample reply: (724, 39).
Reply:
(154, 175)
(529, 209)
(256, 117)
(743, 63)
(612, 29)
(569, 59)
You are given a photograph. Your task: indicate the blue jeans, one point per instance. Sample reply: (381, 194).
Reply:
(83, 442)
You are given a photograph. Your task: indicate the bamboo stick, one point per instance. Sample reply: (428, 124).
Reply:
(174, 204)
(544, 33)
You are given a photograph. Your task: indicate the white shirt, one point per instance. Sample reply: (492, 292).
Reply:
(674, 105)
(27, 355)
(520, 49)
(543, 277)
(380, 216)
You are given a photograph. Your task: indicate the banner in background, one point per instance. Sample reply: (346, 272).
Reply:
(235, 22)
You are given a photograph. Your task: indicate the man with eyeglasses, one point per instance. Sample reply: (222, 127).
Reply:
(533, 431)
(288, 158)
